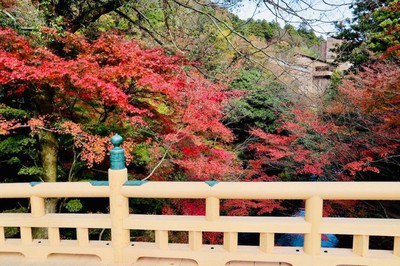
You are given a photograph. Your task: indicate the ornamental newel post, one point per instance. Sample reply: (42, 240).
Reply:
(117, 157)
(119, 204)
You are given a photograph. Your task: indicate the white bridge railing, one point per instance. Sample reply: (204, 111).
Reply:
(122, 250)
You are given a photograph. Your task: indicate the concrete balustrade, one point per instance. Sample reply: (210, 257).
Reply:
(123, 251)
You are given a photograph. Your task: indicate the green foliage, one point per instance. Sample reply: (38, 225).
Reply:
(387, 20)
(31, 171)
(155, 15)
(7, 22)
(58, 23)
(302, 40)
(11, 232)
(257, 108)
(260, 28)
(12, 113)
(14, 160)
(20, 153)
(74, 205)
(142, 154)
(332, 90)
(373, 29)
(309, 35)
(147, 206)
(303, 37)
(15, 144)
(247, 80)
(68, 233)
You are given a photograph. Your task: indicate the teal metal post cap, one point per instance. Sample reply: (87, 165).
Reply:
(117, 157)
(211, 183)
(116, 140)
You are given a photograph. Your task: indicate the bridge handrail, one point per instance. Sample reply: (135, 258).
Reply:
(121, 221)
(221, 190)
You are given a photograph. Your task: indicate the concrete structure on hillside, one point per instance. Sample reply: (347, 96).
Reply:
(311, 75)
(326, 49)
(329, 56)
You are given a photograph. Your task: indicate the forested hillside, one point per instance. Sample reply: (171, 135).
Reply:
(197, 94)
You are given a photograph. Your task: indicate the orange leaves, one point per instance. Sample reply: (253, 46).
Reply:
(359, 166)
(93, 148)
(36, 124)
(354, 167)
(7, 125)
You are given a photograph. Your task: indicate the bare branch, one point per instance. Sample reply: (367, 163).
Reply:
(155, 167)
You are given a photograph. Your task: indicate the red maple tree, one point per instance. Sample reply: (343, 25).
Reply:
(71, 86)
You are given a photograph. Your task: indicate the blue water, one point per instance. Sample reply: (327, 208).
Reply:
(296, 240)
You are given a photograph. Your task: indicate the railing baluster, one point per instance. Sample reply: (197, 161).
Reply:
(161, 239)
(212, 209)
(119, 210)
(313, 215)
(82, 234)
(37, 210)
(230, 241)
(360, 245)
(396, 246)
(195, 240)
(267, 242)
(26, 235)
(2, 235)
(37, 206)
(54, 236)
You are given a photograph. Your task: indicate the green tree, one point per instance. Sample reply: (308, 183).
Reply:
(257, 108)
(371, 31)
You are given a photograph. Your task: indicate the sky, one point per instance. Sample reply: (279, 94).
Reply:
(319, 13)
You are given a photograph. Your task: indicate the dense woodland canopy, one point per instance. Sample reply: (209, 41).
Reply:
(192, 89)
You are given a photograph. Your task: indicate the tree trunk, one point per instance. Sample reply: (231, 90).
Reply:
(80, 13)
(49, 153)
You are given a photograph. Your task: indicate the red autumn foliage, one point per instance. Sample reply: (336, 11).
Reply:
(117, 82)
(358, 129)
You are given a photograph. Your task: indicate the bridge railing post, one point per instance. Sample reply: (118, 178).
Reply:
(119, 205)
(313, 215)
